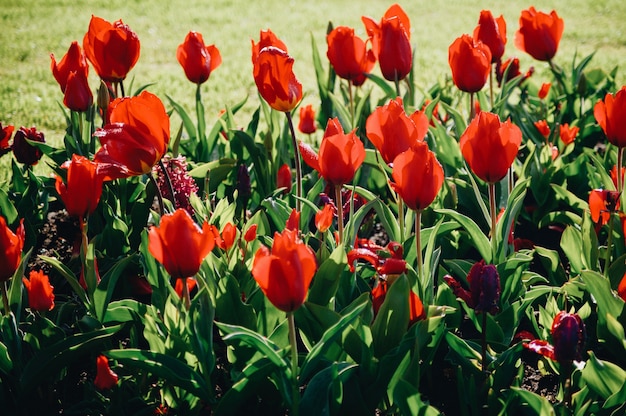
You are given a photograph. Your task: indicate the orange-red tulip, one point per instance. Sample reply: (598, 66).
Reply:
(621, 289)
(611, 116)
(5, 136)
(391, 42)
(543, 128)
(324, 218)
(136, 136)
(266, 38)
(392, 131)
(78, 96)
(11, 246)
(83, 187)
(275, 80)
(307, 120)
(470, 63)
(349, 56)
(40, 291)
(179, 244)
(417, 176)
(544, 90)
(490, 146)
(25, 152)
(73, 61)
(539, 33)
(285, 273)
(112, 48)
(250, 234)
(568, 134)
(105, 379)
(229, 233)
(197, 59)
(492, 32)
(603, 202)
(339, 157)
(293, 222)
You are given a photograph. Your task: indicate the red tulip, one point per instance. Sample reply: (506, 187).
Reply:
(73, 61)
(78, 96)
(267, 38)
(492, 32)
(621, 289)
(5, 136)
(539, 34)
(602, 203)
(490, 146)
(568, 134)
(274, 77)
(11, 246)
(229, 233)
(285, 273)
(391, 42)
(349, 56)
(178, 286)
(416, 308)
(25, 152)
(136, 136)
(484, 288)
(283, 178)
(105, 379)
(112, 48)
(324, 218)
(293, 222)
(340, 154)
(197, 59)
(40, 291)
(544, 90)
(83, 187)
(470, 63)
(611, 116)
(179, 244)
(250, 234)
(509, 69)
(543, 128)
(307, 120)
(392, 131)
(417, 176)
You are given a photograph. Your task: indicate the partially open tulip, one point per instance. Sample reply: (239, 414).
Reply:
(539, 33)
(78, 96)
(283, 178)
(306, 124)
(324, 218)
(621, 289)
(229, 233)
(611, 116)
(5, 135)
(392, 131)
(417, 176)
(293, 222)
(349, 55)
(603, 202)
(484, 288)
(568, 338)
(73, 61)
(179, 244)
(82, 188)
(543, 128)
(568, 134)
(490, 146)
(40, 291)
(470, 63)
(266, 38)
(391, 42)
(112, 48)
(105, 379)
(197, 59)
(275, 80)
(340, 154)
(492, 32)
(25, 152)
(250, 234)
(509, 69)
(136, 136)
(285, 273)
(11, 246)
(544, 90)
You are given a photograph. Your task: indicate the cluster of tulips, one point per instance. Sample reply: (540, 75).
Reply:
(213, 273)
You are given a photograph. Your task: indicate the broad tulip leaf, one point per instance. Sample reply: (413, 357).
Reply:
(409, 401)
(539, 404)
(571, 243)
(104, 291)
(6, 364)
(481, 242)
(392, 320)
(69, 277)
(603, 377)
(7, 209)
(326, 280)
(187, 122)
(323, 393)
(505, 224)
(608, 305)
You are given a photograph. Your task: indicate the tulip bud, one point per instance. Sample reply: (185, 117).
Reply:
(104, 98)
(105, 379)
(283, 178)
(484, 284)
(568, 336)
(25, 152)
(78, 96)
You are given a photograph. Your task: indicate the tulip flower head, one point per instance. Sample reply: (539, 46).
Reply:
(275, 80)
(11, 246)
(40, 291)
(568, 134)
(602, 203)
(266, 38)
(470, 63)
(5, 135)
(105, 379)
(492, 32)
(73, 61)
(349, 56)
(611, 116)
(621, 289)
(25, 152)
(509, 69)
(568, 339)
(543, 128)
(324, 217)
(306, 125)
(197, 59)
(285, 273)
(112, 48)
(82, 188)
(78, 96)
(544, 90)
(484, 288)
(539, 33)
(283, 178)
(490, 146)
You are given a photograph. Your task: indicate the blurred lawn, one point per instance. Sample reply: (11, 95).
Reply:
(32, 29)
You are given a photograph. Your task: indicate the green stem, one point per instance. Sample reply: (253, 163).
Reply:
(401, 218)
(620, 160)
(186, 297)
(168, 181)
(295, 402)
(492, 209)
(420, 261)
(339, 202)
(491, 85)
(484, 342)
(81, 127)
(566, 380)
(121, 83)
(5, 298)
(609, 246)
(352, 113)
(159, 195)
(297, 162)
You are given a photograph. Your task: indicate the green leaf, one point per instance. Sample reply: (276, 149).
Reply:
(7, 209)
(410, 402)
(69, 276)
(326, 280)
(481, 242)
(571, 243)
(539, 404)
(323, 392)
(603, 377)
(392, 320)
(104, 291)
(190, 128)
(6, 364)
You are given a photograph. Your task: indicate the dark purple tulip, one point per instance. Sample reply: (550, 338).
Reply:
(568, 336)
(25, 152)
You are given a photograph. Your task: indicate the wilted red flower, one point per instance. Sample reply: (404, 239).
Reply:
(25, 152)
(568, 134)
(112, 48)
(340, 154)
(568, 338)
(417, 176)
(490, 146)
(539, 33)
(349, 56)
(611, 116)
(484, 288)
(105, 379)
(307, 120)
(73, 61)
(470, 63)
(78, 96)
(197, 59)
(602, 203)
(492, 32)
(544, 90)
(293, 222)
(11, 246)
(40, 291)
(392, 131)
(324, 218)
(285, 273)
(5, 136)
(250, 234)
(136, 136)
(391, 42)
(82, 188)
(179, 244)
(543, 128)
(283, 178)
(388, 261)
(266, 38)
(275, 80)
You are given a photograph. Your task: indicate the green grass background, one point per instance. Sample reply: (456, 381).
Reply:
(32, 29)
